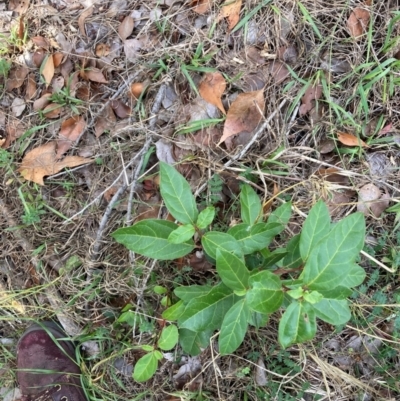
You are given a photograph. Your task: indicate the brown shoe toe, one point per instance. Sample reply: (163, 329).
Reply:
(46, 365)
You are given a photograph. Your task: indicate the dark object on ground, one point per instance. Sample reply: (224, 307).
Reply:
(46, 365)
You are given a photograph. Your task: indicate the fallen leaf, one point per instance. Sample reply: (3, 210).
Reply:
(81, 20)
(358, 22)
(18, 106)
(83, 92)
(279, 71)
(93, 74)
(40, 41)
(125, 29)
(137, 88)
(14, 129)
(47, 69)
(260, 376)
(30, 90)
(70, 131)
(201, 6)
(102, 50)
(38, 57)
(16, 77)
(57, 83)
(211, 89)
(313, 93)
(326, 146)
(350, 140)
(41, 162)
(42, 102)
(53, 110)
(19, 6)
(131, 48)
(57, 59)
(244, 114)
(372, 201)
(105, 121)
(230, 11)
(120, 108)
(386, 130)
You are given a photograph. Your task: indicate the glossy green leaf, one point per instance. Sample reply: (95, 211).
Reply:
(177, 195)
(174, 312)
(297, 325)
(206, 217)
(315, 228)
(333, 311)
(190, 292)
(338, 292)
(250, 205)
(254, 238)
(192, 341)
(281, 215)
(332, 257)
(207, 312)
(181, 234)
(150, 238)
(293, 258)
(168, 338)
(234, 327)
(265, 295)
(354, 276)
(232, 270)
(214, 240)
(271, 258)
(258, 319)
(145, 367)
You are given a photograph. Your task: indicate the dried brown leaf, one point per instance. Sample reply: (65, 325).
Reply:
(14, 129)
(94, 74)
(211, 89)
(19, 6)
(350, 140)
(18, 106)
(105, 122)
(42, 102)
(70, 131)
(16, 77)
(137, 88)
(102, 50)
(244, 114)
(279, 71)
(372, 201)
(47, 69)
(201, 6)
(125, 29)
(30, 90)
(83, 92)
(53, 110)
(40, 41)
(313, 93)
(231, 11)
(121, 109)
(57, 59)
(358, 22)
(38, 57)
(41, 162)
(81, 21)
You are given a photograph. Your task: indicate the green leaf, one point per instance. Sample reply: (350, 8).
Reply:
(150, 238)
(297, 325)
(315, 228)
(192, 341)
(214, 240)
(355, 276)
(145, 367)
(258, 319)
(147, 348)
(293, 258)
(169, 338)
(207, 312)
(181, 234)
(250, 205)
(265, 295)
(339, 292)
(234, 327)
(271, 258)
(189, 292)
(174, 312)
(206, 217)
(333, 311)
(313, 297)
(254, 238)
(281, 215)
(177, 195)
(232, 270)
(331, 258)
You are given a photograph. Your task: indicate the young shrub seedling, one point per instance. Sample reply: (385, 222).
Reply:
(319, 263)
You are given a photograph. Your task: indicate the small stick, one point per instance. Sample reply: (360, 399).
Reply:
(377, 262)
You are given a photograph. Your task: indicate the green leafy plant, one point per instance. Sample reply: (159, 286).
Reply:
(319, 264)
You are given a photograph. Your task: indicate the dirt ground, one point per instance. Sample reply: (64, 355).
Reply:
(94, 93)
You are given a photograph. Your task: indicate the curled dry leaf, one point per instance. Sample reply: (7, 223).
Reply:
(16, 77)
(57, 59)
(244, 114)
(231, 11)
(211, 89)
(102, 50)
(372, 201)
(93, 74)
(70, 131)
(350, 140)
(81, 21)
(125, 29)
(47, 69)
(41, 162)
(201, 6)
(120, 108)
(358, 22)
(313, 93)
(30, 91)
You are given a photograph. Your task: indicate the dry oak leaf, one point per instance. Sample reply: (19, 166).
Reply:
(47, 69)
(231, 11)
(313, 93)
(42, 161)
(70, 131)
(350, 140)
(81, 21)
(126, 27)
(93, 74)
(201, 6)
(358, 22)
(16, 77)
(211, 89)
(244, 114)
